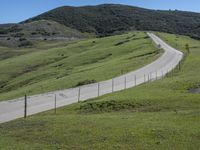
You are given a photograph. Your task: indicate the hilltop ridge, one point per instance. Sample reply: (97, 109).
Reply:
(107, 19)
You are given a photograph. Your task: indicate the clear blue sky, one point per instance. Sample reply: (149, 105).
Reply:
(12, 11)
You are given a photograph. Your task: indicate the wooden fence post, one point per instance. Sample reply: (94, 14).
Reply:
(55, 104)
(25, 106)
(98, 89)
(113, 85)
(135, 80)
(125, 82)
(79, 94)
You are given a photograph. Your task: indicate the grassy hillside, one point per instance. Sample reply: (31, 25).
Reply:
(111, 19)
(67, 65)
(24, 35)
(11, 52)
(159, 115)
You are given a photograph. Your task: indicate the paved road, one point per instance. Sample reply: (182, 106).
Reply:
(10, 110)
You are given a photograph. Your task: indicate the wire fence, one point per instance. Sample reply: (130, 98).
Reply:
(54, 100)
(29, 105)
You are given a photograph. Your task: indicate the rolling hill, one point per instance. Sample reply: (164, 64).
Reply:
(70, 64)
(24, 34)
(110, 19)
(67, 23)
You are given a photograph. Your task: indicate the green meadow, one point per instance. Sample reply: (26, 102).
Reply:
(55, 66)
(159, 115)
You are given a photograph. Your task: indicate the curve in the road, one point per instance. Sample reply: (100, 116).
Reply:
(10, 110)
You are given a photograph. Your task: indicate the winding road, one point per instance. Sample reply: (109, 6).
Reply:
(13, 109)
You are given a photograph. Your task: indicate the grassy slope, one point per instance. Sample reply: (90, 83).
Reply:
(9, 52)
(65, 66)
(26, 34)
(159, 115)
(6, 52)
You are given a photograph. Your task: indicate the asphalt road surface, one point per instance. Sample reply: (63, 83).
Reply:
(13, 109)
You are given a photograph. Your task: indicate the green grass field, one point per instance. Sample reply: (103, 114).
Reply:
(159, 115)
(64, 65)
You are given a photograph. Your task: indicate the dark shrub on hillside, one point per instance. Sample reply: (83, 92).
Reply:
(22, 39)
(43, 32)
(107, 106)
(33, 33)
(122, 42)
(18, 35)
(3, 31)
(25, 44)
(85, 82)
(14, 29)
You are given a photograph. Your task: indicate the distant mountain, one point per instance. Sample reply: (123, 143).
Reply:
(68, 23)
(111, 18)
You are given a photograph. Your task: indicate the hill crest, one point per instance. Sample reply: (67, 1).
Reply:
(107, 19)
